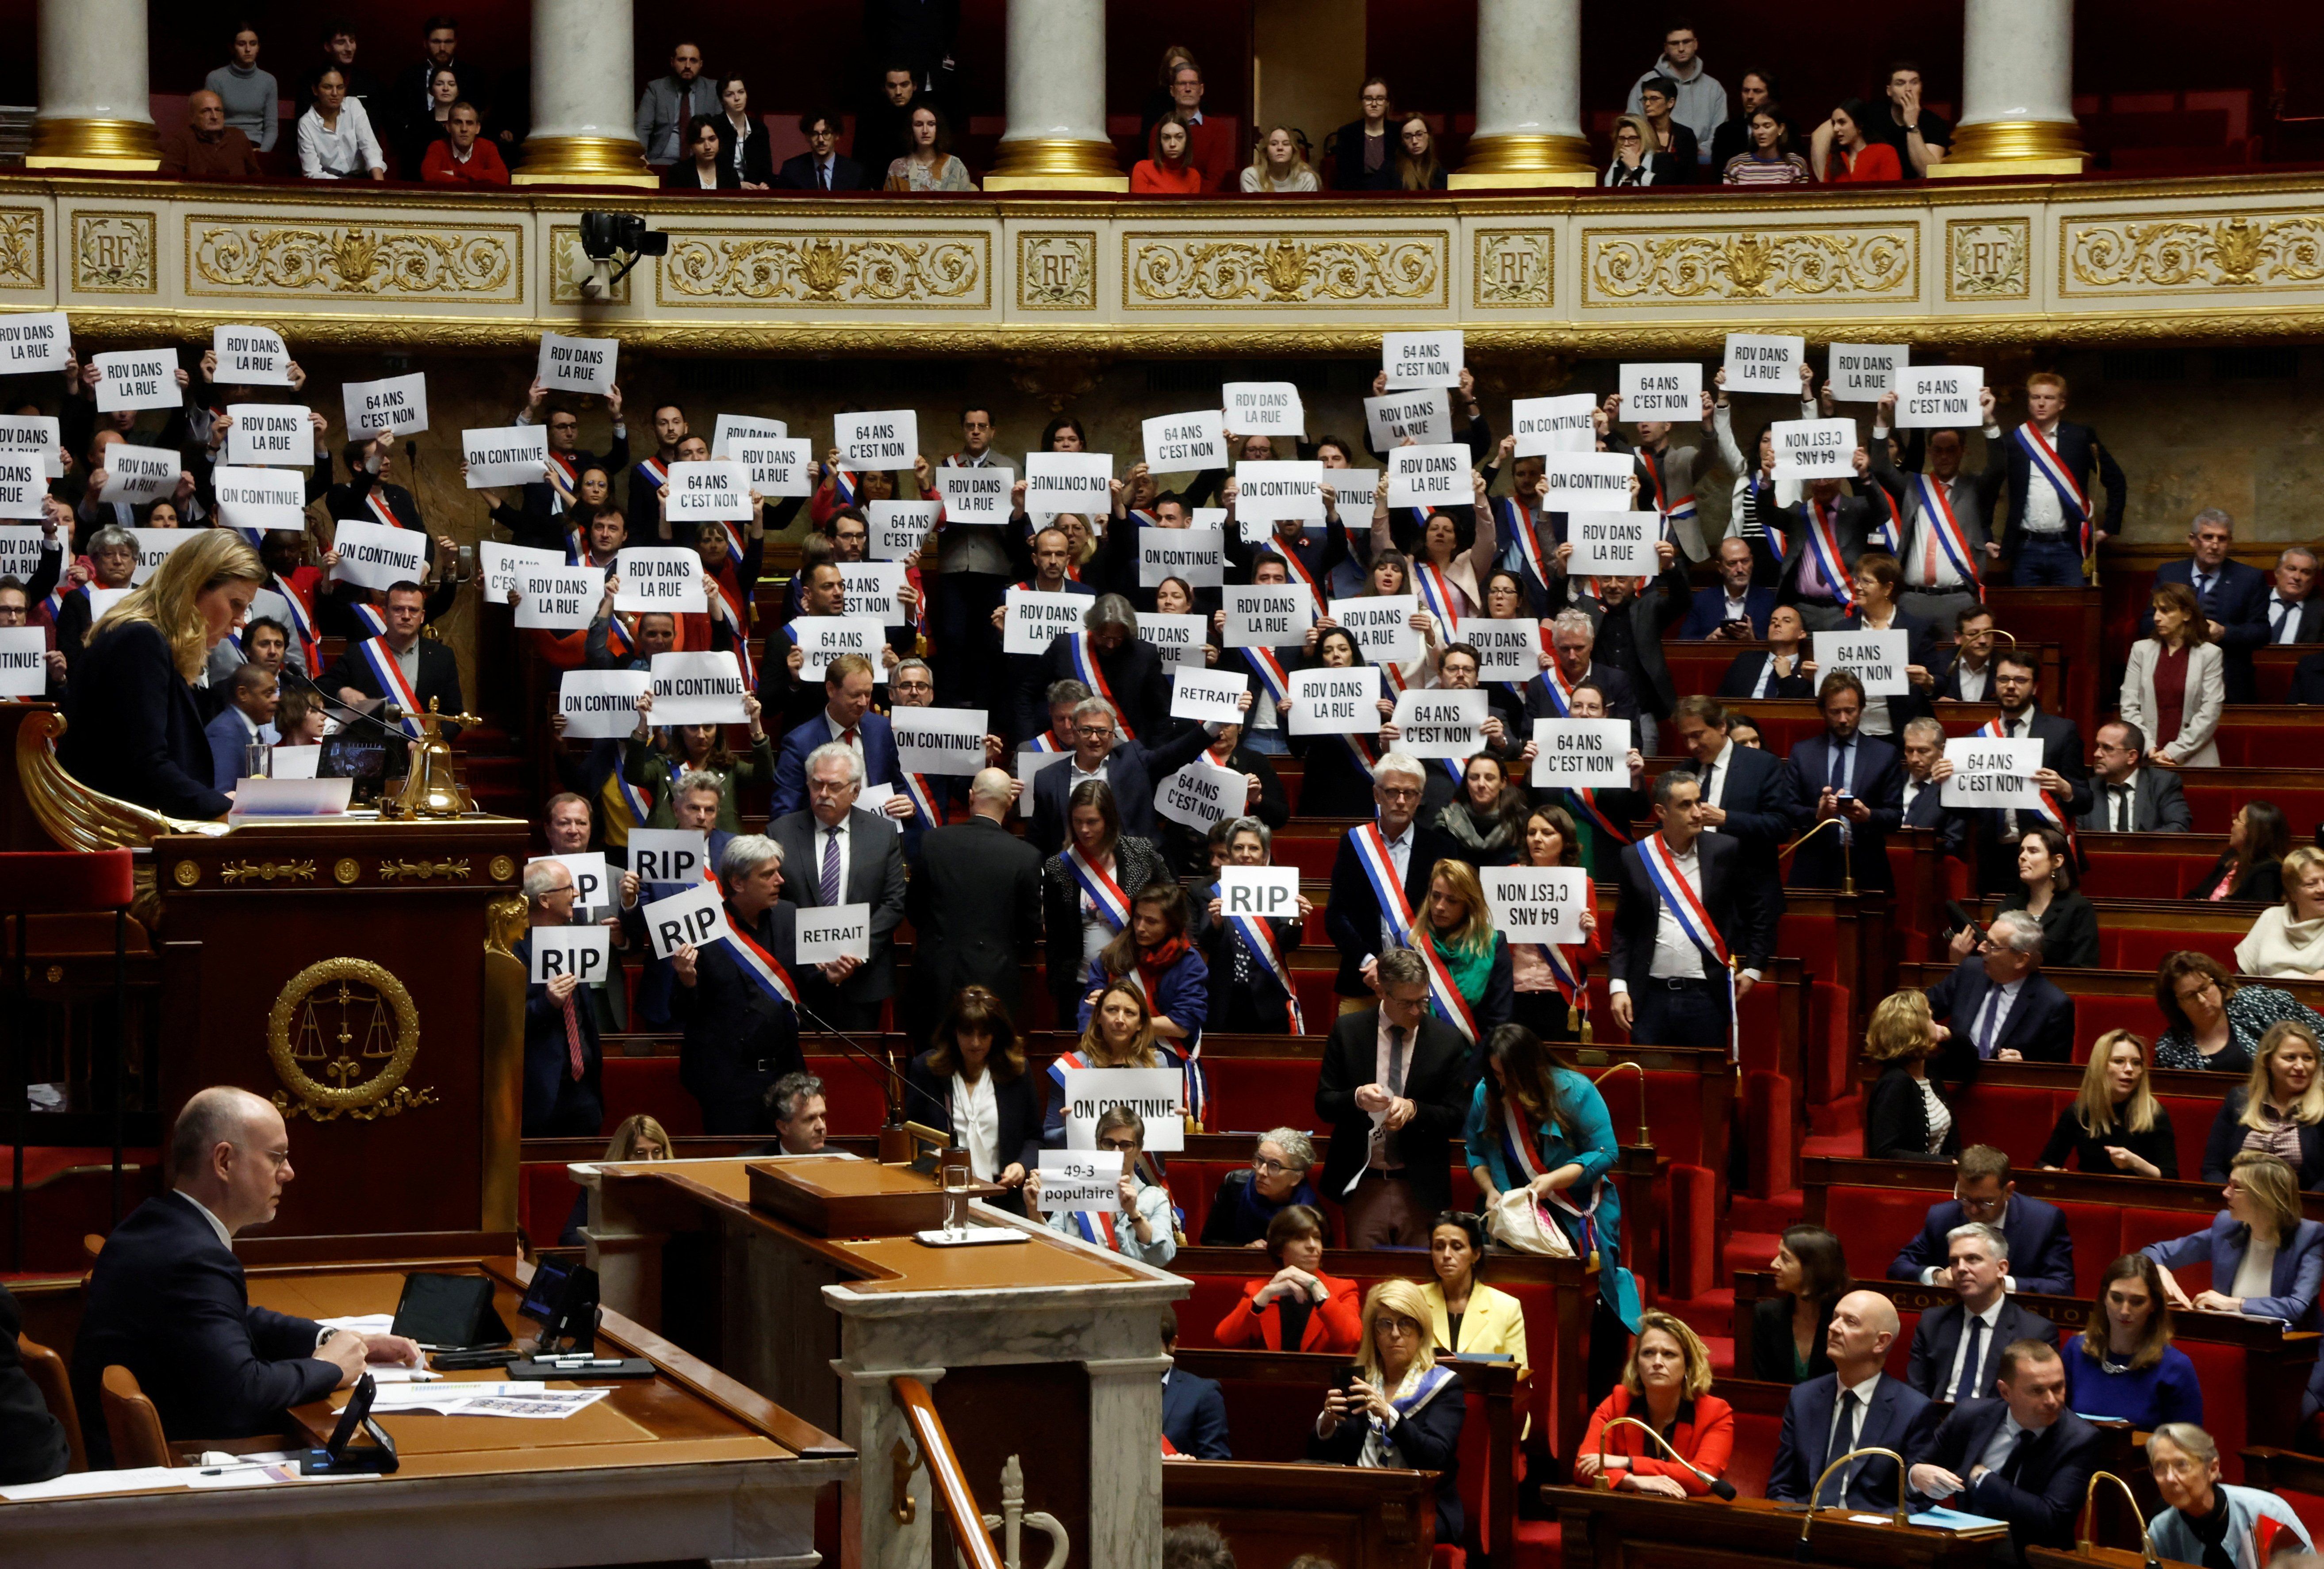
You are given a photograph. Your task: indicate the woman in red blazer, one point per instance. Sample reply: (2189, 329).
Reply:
(1664, 1387)
(1298, 1307)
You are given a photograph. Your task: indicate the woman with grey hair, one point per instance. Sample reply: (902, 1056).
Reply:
(1251, 987)
(2210, 1521)
(112, 561)
(1249, 1201)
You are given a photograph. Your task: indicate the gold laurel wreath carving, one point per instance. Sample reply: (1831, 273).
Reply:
(1285, 271)
(382, 1094)
(823, 271)
(2235, 252)
(421, 871)
(355, 259)
(1751, 266)
(21, 262)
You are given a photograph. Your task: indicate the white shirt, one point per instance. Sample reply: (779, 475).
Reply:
(349, 152)
(1939, 1273)
(2122, 819)
(2257, 1277)
(1984, 1350)
(2044, 513)
(2283, 619)
(1716, 793)
(1399, 856)
(1076, 776)
(976, 1123)
(225, 1238)
(1973, 683)
(2003, 1442)
(1737, 607)
(1676, 955)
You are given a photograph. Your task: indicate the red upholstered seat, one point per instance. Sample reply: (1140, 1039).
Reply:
(649, 1084)
(53, 882)
(544, 1199)
(1754, 1451)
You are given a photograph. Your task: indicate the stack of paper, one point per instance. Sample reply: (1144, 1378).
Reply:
(478, 1398)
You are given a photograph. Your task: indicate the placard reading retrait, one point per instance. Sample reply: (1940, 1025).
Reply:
(886, 439)
(1267, 615)
(1548, 424)
(1992, 771)
(1814, 449)
(1580, 754)
(1207, 695)
(1335, 702)
(1183, 443)
(600, 705)
(1511, 649)
(698, 689)
(1668, 390)
(827, 933)
(1613, 544)
(1935, 397)
(1537, 904)
(1438, 723)
(1197, 557)
(1877, 659)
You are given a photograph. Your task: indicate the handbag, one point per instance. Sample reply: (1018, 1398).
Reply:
(1517, 1223)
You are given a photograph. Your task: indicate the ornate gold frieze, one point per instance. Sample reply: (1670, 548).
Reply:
(471, 263)
(2125, 253)
(1162, 271)
(1514, 268)
(951, 271)
(342, 1036)
(566, 262)
(421, 871)
(1850, 261)
(24, 248)
(1056, 270)
(1988, 259)
(113, 253)
(285, 872)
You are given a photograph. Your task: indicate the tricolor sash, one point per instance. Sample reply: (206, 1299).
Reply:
(374, 624)
(564, 479)
(55, 602)
(1045, 741)
(1994, 730)
(1271, 676)
(657, 473)
(1517, 522)
(302, 625)
(1361, 750)
(1297, 569)
(1557, 689)
(377, 501)
(1437, 593)
(1891, 532)
(1585, 803)
(726, 612)
(922, 797)
(2053, 468)
(1144, 518)
(845, 487)
(1686, 905)
(1451, 1006)
(1097, 1228)
(640, 803)
(1566, 975)
(1944, 530)
(759, 967)
(392, 686)
(1083, 654)
(1258, 938)
(1395, 910)
(1105, 895)
(1379, 1445)
(1519, 1143)
(1823, 546)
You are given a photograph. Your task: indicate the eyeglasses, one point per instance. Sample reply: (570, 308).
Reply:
(1094, 732)
(1267, 1167)
(1116, 1145)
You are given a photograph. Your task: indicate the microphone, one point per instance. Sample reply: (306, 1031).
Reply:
(897, 1136)
(385, 718)
(1720, 1486)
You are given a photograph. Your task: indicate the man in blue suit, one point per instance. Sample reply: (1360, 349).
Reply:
(2000, 1006)
(1130, 767)
(2041, 541)
(248, 717)
(2023, 1458)
(2040, 1249)
(846, 717)
(1956, 1347)
(1733, 610)
(167, 1299)
(2234, 595)
(1747, 792)
(1855, 1406)
(1857, 779)
(1193, 1409)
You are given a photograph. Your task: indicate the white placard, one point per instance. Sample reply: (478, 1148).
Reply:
(509, 454)
(678, 855)
(156, 546)
(695, 917)
(1546, 425)
(1267, 615)
(731, 426)
(37, 436)
(1613, 544)
(1992, 771)
(1177, 443)
(1180, 638)
(378, 555)
(1815, 449)
(827, 933)
(561, 599)
(709, 492)
(391, 405)
(939, 740)
(577, 364)
(1157, 1094)
(1335, 702)
(1262, 893)
(661, 577)
(250, 356)
(777, 466)
(1199, 795)
(976, 495)
(1509, 650)
(600, 705)
(1437, 723)
(1765, 363)
(1207, 695)
(1877, 659)
(1262, 408)
(1423, 415)
(1080, 1182)
(1536, 904)
(874, 799)
(824, 639)
(887, 438)
(1068, 482)
(584, 952)
(101, 600)
(1381, 626)
(698, 689)
(1939, 397)
(1864, 373)
(592, 885)
(1431, 359)
(1668, 389)
(1580, 754)
(42, 341)
(1198, 556)
(289, 797)
(1430, 476)
(265, 499)
(1030, 765)
(899, 528)
(1353, 491)
(269, 433)
(137, 379)
(23, 485)
(138, 473)
(21, 550)
(1269, 489)
(294, 760)
(1035, 617)
(1587, 482)
(24, 661)
(872, 589)
(501, 569)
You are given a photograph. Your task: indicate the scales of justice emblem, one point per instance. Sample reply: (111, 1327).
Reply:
(342, 1037)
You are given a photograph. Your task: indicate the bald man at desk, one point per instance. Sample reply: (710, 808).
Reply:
(167, 1299)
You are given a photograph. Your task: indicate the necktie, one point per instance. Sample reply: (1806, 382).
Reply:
(1838, 767)
(1972, 1358)
(1395, 1059)
(1986, 1018)
(2284, 620)
(848, 735)
(2122, 808)
(2017, 728)
(573, 1037)
(823, 176)
(1709, 772)
(830, 888)
(2203, 586)
(1843, 1439)
(2018, 1453)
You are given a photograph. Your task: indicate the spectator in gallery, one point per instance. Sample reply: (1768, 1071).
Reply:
(1840, 154)
(1248, 1202)
(928, 163)
(1667, 137)
(2124, 1364)
(1633, 162)
(2250, 870)
(1668, 1385)
(251, 98)
(1920, 139)
(671, 105)
(1363, 151)
(208, 148)
(340, 44)
(1401, 1409)
(972, 1083)
(416, 135)
(1160, 100)
(1756, 91)
(2287, 941)
(464, 156)
(1211, 141)
(1298, 1307)
(1905, 1118)
(335, 137)
(2127, 797)
(1789, 1330)
(2278, 1109)
(701, 169)
(2208, 1520)
(2115, 1124)
(743, 143)
(440, 44)
(822, 167)
(2175, 685)
(918, 36)
(1277, 166)
(2266, 1260)
(1416, 165)
(2212, 1022)
(1702, 102)
(883, 128)
(1167, 172)
(1137, 1226)
(1768, 158)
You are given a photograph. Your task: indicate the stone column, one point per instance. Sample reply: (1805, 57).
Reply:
(1056, 139)
(2017, 92)
(584, 117)
(94, 113)
(1528, 97)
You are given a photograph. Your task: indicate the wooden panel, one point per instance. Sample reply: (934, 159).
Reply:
(1040, 1412)
(1272, 1514)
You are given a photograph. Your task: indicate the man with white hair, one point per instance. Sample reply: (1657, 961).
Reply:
(1999, 1004)
(1573, 644)
(1379, 879)
(1132, 767)
(167, 1300)
(740, 1036)
(1107, 655)
(562, 1049)
(836, 853)
(975, 904)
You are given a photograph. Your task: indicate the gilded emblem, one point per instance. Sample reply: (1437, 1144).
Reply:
(711, 267)
(1056, 272)
(186, 874)
(1862, 261)
(421, 871)
(356, 260)
(342, 1036)
(1985, 259)
(1282, 271)
(235, 872)
(1513, 268)
(502, 868)
(2280, 251)
(113, 253)
(347, 869)
(24, 259)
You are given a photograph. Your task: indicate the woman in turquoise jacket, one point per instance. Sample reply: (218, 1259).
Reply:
(1533, 1123)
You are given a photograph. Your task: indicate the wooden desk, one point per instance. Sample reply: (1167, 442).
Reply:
(1271, 1515)
(1623, 1530)
(688, 1466)
(2095, 1558)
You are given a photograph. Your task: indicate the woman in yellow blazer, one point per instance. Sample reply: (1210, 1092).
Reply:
(1467, 1316)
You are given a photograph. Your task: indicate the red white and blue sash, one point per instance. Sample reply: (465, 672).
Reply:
(1258, 938)
(376, 499)
(1045, 742)
(2053, 468)
(1144, 518)
(1098, 1228)
(1936, 512)
(1517, 522)
(1433, 1382)
(1297, 569)
(1396, 911)
(1083, 653)
(564, 479)
(922, 797)
(1585, 801)
(845, 487)
(1686, 905)
(1556, 688)
(1566, 974)
(55, 602)
(640, 803)
(1823, 548)
(759, 967)
(1270, 673)
(657, 473)
(1891, 531)
(1438, 593)
(1519, 1143)
(1994, 730)
(1105, 895)
(392, 686)
(727, 613)
(368, 617)
(1361, 750)
(302, 625)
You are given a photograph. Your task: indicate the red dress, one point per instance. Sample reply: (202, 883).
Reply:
(2169, 692)
(1877, 162)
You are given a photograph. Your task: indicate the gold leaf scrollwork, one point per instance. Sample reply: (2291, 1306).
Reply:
(1285, 271)
(1056, 272)
(1513, 268)
(351, 1022)
(2237, 252)
(20, 260)
(1752, 265)
(235, 872)
(421, 871)
(354, 260)
(824, 270)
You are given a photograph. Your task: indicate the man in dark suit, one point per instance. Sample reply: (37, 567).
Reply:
(835, 854)
(2023, 1458)
(1939, 583)
(822, 167)
(2127, 797)
(1968, 675)
(429, 671)
(2040, 1249)
(2293, 612)
(1572, 643)
(1194, 1408)
(740, 1038)
(1747, 792)
(2063, 775)
(2000, 1006)
(1626, 627)
(2234, 594)
(1957, 1348)
(1732, 609)
(846, 717)
(1923, 798)
(1855, 1406)
(1136, 679)
(547, 501)
(1842, 522)
(1401, 1060)
(1856, 780)
(247, 720)
(33, 1444)
(975, 902)
(167, 1301)
(2041, 541)
(1775, 671)
(2308, 680)
(1665, 983)
(1130, 767)
(1353, 918)
(562, 1051)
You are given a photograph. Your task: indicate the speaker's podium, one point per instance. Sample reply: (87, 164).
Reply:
(1628, 1530)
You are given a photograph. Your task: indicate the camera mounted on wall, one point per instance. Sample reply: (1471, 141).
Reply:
(607, 235)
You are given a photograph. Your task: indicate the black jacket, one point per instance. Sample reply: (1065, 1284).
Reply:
(1997, 851)
(1854, 519)
(1936, 1338)
(683, 176)
(134, 729)
(1429, 1439)
(2158, 805)
(1139, 681)
(1132, 769)
(1896, 1121)
(1352, 919)
(2079, 450)
(927, 1098)
(758, 157)
(1262, 1005)
(1771, 1341)
(2041, 1247)
(167, 1301)
(738, 1040)
(2070, 929)
(799, 174)
(1435, 1081)
(974, 902)
(556, 1103)
(439, 679)
(1346, 146)
(1136, 863)
(33, 1446)
(1876, 778)
(2261, 883)
(1652, 613)
(2226, 1139)
(2039, 1026)
(1743, 671)
(1928, 809)
(2053, 1472)
(1742, 907)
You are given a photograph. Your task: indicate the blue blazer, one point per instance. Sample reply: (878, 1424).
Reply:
(1937, 1336)
(1877, 780)
(1182, 994)
(2053, 1473)
(2298, 1266)
(1899, 1419)
(2040, 1249)
(879, 738)
(1710, 609)
(1195, 1416)
(228, 738)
